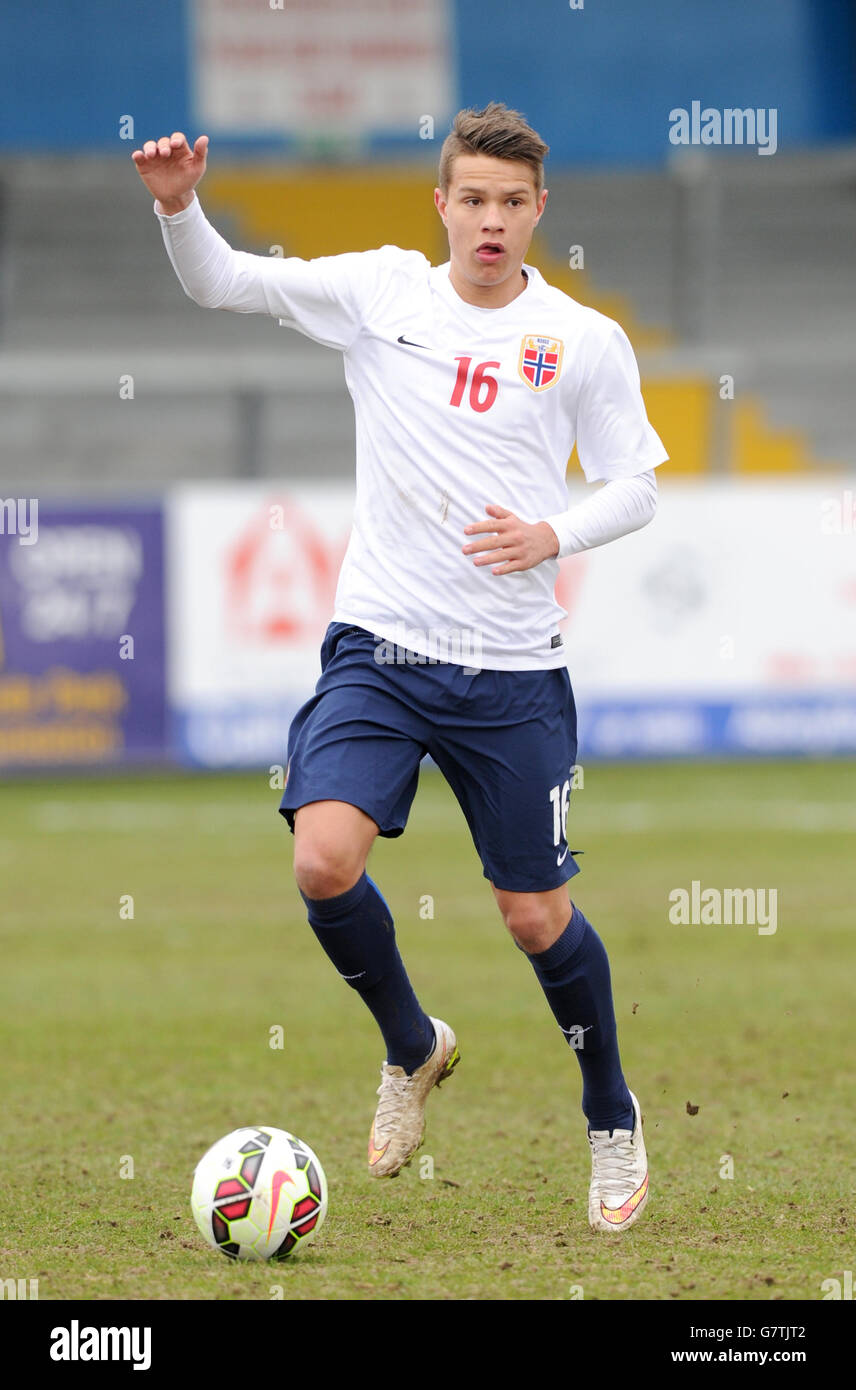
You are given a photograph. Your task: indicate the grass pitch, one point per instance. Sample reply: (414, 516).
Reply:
(147, 1038)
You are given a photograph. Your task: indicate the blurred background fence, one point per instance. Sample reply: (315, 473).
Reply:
(190, 474)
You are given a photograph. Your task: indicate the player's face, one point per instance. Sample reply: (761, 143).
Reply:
(490, 211)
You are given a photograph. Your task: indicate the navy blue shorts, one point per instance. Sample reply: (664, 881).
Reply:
(506, 742)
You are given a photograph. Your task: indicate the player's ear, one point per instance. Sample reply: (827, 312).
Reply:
(541, 204)
(440, 202)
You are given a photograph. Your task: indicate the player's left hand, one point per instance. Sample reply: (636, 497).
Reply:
(510, 544)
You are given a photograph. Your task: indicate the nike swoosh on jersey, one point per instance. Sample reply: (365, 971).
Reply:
(407, 343)
(560, 859)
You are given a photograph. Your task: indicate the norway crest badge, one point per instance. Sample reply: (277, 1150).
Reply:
(540, 361)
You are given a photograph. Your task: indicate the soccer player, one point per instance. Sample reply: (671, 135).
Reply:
(471, 383)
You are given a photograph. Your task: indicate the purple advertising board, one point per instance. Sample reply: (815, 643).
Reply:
(82, 678)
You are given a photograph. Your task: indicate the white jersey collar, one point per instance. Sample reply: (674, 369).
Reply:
(448, 290)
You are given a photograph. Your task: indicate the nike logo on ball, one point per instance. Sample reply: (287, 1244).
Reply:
(277, 1181)
(408, 343)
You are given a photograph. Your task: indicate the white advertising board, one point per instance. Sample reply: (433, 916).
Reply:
(726, 625)
(352, 67)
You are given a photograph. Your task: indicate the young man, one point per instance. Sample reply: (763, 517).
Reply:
(471, 382)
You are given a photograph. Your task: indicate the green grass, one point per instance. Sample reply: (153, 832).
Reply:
(149, 1038)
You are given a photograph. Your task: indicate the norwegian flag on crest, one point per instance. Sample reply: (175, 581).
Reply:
(540, 361)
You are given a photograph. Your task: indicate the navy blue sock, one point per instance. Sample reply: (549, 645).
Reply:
(574, 975)
(356, 930)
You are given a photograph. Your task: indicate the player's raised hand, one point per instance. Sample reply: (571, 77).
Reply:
(510, 544)
(170, 169)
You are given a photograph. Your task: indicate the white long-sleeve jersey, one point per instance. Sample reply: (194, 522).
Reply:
(456, 406)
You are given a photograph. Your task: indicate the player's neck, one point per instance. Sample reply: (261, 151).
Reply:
(488, 296)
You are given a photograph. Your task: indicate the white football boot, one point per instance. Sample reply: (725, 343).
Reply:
(619, 1176)
(398, 1127)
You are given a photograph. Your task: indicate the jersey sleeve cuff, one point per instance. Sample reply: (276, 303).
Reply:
(621, 506)
(569, 542)
(184, 216)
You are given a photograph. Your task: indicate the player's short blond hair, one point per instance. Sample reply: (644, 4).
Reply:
(496, 131)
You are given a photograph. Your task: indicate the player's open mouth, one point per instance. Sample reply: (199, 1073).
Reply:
(490, 251)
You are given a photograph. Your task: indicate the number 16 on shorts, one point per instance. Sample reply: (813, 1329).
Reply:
(560, 797)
